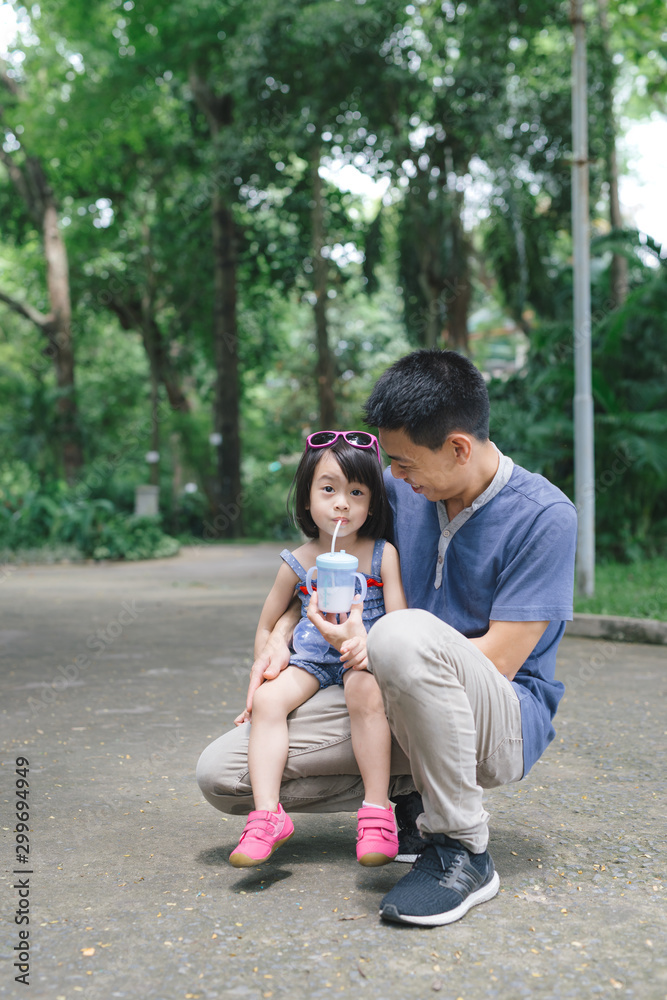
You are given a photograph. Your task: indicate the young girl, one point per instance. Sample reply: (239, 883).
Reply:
(338, 482)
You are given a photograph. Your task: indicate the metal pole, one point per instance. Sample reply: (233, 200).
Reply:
(584, 465)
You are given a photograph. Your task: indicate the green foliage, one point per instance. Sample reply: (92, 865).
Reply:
(633, 590)
(31, 517)
(121, 537)
(532, 419)
(422, 96)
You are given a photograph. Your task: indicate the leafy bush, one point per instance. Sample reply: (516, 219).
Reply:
(532, 419)
(36, 518)
(132, 538)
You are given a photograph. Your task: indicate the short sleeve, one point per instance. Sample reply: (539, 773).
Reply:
(537, 583)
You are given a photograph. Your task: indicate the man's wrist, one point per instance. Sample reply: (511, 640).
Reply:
(283, 630)
(285, 625)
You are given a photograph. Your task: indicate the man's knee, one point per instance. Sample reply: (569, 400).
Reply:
(220, 769)
(395, 639)
(392, 649)
(405, 648)
(207, 771)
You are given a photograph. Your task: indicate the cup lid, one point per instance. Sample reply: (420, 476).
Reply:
(337, 560)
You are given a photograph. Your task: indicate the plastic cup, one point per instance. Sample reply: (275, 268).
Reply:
(336, 576)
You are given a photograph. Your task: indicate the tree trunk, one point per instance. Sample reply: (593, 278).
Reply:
(458, 302)
(160, 363)
(619, 283)
(325, 366)
(57, 276)
(33, 187)
(458, 289)
(154, 466)
(619, 263)
(225, 343)
(431, 287)
(228, 522)
(140, 316)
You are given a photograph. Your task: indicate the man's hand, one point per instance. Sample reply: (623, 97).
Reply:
(272, 651)
(351, 626)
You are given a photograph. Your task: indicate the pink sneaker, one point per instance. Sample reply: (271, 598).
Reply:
(263, 833)
(377, 839)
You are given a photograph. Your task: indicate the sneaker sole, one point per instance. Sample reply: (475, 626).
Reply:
(481, 895)
(408, 859)
(374, 859)
(245, 861)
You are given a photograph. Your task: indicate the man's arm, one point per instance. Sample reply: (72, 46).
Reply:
(274, 656)
(509, 644)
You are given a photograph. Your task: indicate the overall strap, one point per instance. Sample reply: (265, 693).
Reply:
(294, 564)
(376, 562)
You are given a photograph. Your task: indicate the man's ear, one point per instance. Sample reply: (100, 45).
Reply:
(461, 445)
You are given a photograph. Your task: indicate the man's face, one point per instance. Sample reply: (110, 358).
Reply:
(437, 475)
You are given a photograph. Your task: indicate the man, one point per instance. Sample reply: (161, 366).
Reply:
(467, 674)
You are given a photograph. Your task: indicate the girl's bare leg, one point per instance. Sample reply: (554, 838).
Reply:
(371, 737)
(268, 746)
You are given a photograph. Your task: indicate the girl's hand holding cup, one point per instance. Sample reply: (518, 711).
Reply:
(353, 653)
(336, 633)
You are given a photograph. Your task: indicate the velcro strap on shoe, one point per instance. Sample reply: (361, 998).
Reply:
(378, 824)
(260, 826)
(376, 819)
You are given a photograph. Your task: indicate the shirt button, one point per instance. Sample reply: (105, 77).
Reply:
(446, 533)
(440, 560)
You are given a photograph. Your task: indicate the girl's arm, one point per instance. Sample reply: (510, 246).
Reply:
(278, 617)
(394, 597)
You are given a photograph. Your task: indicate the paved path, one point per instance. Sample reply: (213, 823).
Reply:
(114, 678)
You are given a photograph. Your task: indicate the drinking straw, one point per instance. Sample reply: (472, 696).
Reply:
(333, 540)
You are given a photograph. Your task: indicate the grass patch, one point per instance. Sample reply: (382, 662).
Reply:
(633, 590)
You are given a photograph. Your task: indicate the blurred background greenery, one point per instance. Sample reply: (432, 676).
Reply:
(220, 221)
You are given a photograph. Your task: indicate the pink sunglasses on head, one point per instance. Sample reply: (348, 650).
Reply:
(358, 439)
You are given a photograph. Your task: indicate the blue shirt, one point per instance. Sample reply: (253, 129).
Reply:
(511, 558)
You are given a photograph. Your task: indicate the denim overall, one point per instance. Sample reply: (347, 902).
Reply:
(318, 658)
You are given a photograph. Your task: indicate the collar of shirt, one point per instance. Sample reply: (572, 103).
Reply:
(449, 528)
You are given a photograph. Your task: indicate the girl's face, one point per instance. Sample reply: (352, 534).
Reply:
(334, 498)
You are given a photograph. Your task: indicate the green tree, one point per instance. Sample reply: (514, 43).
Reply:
(26, 172)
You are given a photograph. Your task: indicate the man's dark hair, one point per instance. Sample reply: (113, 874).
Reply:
(359, 465)
(430, 394)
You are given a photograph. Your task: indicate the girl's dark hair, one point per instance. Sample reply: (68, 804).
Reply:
(359, 465)
(430, 394)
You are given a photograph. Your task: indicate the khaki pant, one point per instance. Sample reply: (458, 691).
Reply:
(456, 723)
